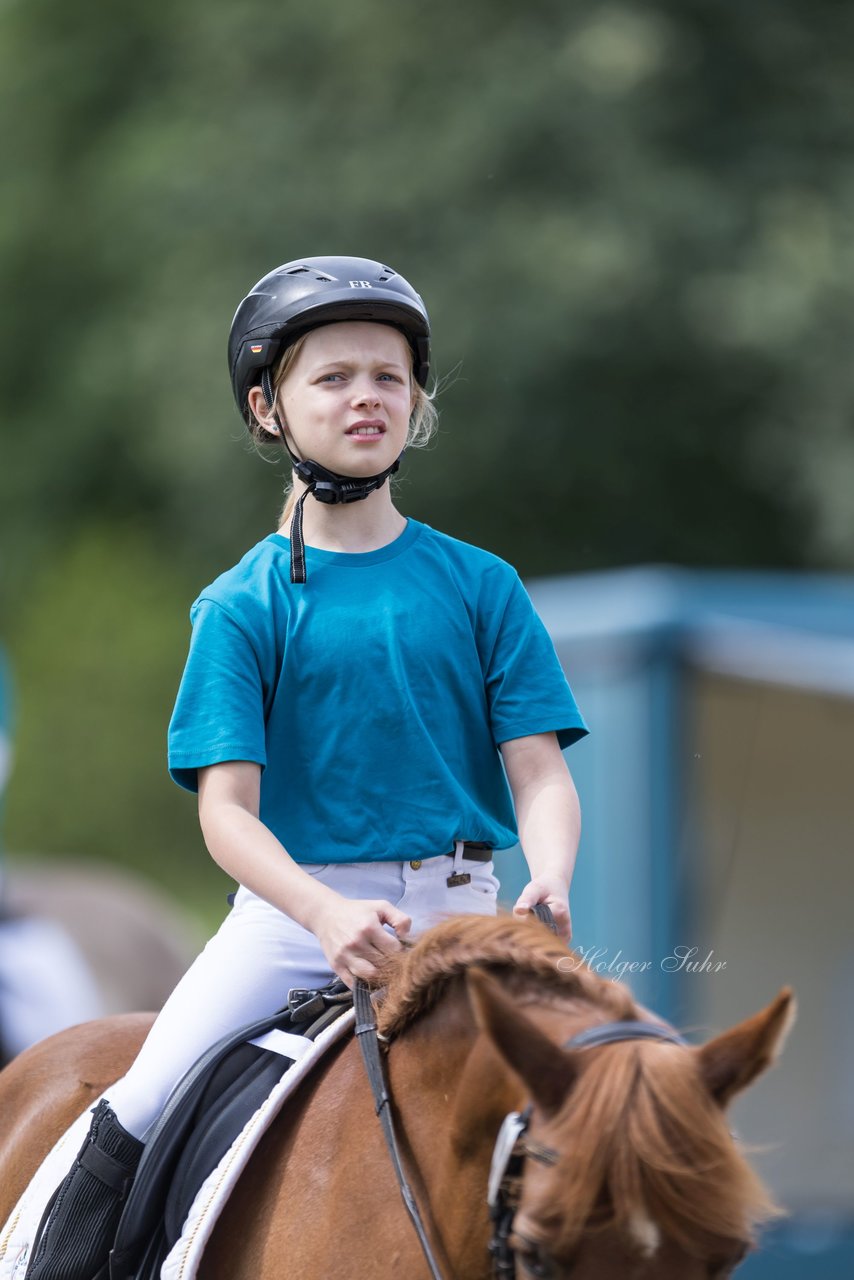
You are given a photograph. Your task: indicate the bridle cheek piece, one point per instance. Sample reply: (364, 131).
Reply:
(505, 1188)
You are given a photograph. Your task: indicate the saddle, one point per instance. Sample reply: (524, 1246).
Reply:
(205, 1113)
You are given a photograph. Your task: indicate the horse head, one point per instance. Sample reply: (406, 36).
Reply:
(627, 1167)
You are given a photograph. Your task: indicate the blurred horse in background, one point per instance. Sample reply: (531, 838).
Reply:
(79, 940)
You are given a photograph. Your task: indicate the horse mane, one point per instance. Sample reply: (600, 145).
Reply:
(643, 1138)
(644, 1141)
(521, 953)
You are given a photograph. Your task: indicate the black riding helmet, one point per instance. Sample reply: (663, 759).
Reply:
(309, 292)
(289, 302)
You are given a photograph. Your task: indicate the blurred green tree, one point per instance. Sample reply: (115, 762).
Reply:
(630, 221)
(100, 647)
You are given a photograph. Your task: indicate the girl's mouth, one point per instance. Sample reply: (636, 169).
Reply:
(366, 429)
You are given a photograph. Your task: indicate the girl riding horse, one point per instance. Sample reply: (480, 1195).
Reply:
(369, 709)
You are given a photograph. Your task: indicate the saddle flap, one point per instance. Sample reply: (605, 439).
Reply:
(210, 1140)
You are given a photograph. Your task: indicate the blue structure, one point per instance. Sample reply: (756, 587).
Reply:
(717, 796)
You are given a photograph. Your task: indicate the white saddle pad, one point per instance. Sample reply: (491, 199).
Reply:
(183, 1261)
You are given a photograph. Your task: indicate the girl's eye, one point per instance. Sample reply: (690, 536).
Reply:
(391, 377)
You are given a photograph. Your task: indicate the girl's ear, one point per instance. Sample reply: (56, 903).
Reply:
(263, 415)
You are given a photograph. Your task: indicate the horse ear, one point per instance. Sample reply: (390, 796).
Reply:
(544, 1068)
(734, 1059)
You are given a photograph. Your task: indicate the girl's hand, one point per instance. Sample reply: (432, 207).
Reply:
(353, 937)
(552, 891)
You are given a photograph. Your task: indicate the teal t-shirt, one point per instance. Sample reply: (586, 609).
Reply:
(374, 695)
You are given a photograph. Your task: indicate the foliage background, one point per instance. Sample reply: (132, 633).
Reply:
(632, 224)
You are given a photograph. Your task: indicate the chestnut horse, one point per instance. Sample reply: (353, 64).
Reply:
(631, 1170)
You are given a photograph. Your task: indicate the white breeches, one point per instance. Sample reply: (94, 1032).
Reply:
(247, 969)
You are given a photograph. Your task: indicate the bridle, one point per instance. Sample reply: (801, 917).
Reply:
(512, 1146)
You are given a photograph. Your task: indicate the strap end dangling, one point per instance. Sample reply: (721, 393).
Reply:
(297, 543)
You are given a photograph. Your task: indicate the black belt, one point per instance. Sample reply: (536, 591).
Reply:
(474, 852)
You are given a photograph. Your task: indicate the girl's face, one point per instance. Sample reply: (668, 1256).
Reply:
(347, 399)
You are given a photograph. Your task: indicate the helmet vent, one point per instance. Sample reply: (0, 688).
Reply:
(306, 271)
(387, 275)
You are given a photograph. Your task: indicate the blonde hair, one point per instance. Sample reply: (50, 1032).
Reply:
(423, 420)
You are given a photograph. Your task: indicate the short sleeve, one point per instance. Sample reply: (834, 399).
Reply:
(219, 711)
(526, 688)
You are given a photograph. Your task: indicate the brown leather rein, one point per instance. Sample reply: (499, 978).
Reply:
(512, 1145)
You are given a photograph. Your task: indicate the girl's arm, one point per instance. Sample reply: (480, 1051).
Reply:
(351, 933)
(549, 820)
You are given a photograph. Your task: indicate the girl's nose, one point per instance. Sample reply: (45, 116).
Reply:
(365, 391)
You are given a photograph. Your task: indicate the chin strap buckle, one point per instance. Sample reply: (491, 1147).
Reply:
(330, 489)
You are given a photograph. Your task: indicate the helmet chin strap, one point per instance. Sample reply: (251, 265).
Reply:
(326, 486)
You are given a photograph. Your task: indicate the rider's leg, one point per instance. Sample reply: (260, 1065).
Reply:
(244, 973)
(259, 954)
